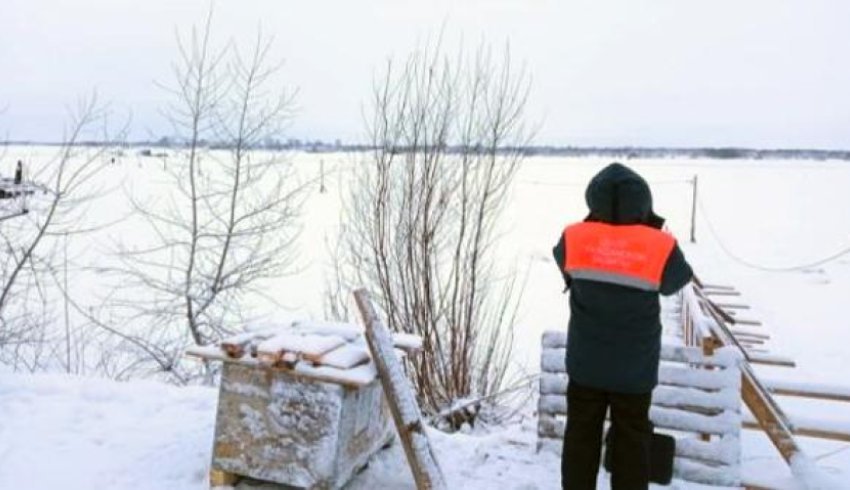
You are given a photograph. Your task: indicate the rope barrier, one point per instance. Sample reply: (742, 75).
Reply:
(584, 184)
(753, 265)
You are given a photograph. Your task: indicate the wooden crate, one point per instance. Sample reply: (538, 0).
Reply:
(276, 426)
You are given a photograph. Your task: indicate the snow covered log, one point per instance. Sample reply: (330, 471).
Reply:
(807, 389)
(695, 471)
(554, 360)
(725, 450)
(678, 418)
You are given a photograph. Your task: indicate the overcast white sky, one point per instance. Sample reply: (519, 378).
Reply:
(762, 73)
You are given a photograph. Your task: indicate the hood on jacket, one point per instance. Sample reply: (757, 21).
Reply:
(618, 195)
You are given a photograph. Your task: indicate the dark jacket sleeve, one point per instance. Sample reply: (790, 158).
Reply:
(677, 272)
(559, 252)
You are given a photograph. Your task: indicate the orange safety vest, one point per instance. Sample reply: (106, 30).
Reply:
(628, 255)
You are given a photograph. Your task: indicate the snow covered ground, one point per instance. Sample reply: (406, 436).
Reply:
(60, 432)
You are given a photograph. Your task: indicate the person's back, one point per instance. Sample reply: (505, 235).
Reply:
(615, 264)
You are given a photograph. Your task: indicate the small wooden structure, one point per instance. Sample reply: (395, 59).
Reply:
(697, 399)
(299, 405)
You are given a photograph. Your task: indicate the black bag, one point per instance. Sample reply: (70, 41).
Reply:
(662, 450)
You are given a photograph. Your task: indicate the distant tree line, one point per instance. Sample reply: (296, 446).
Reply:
(620, 152)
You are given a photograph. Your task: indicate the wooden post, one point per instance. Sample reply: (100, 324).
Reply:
(708, 345)
(322, 188)
(408, 421)
(694, 211)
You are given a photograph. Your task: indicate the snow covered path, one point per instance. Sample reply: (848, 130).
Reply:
(79, 433)
(82, 433)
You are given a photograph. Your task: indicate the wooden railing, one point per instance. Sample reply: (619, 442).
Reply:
(706, 322)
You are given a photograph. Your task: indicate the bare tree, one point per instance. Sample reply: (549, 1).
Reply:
(31, 336)
(226, 223)
(422, 225)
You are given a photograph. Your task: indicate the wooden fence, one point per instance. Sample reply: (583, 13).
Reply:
(697, 400)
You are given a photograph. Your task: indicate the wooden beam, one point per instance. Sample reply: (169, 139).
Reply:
(733, 306)
(742, 321)
(400, 398)
(219, 478)
(770, 360)
(806, 432)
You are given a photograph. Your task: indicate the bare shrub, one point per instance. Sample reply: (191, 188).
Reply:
(36, 332)
(226, 222)
(422, 215)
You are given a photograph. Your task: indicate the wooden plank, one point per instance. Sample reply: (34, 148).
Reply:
(550, 427)
(743, 321)
(681, 420)
(345, 377)
(220, 478)
(553, 360)
(310, 346)
(400, 398)
(721, 293)
(819, 392)
(724, 450)
(705, 286)
(695, 355)
(552, 404)
(726, 476)
(770, 360)
(749, 341)
(688, 398)
(733, 306)
(553, 384)
(749, 334)
(678, 375)
(805, 432)
(554, 339)
(663, 417)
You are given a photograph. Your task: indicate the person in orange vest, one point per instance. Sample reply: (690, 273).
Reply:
(615, 264)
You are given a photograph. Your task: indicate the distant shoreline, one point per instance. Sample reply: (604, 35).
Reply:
(623, 152)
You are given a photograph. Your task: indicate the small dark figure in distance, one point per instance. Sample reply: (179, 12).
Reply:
(19, 173)
(614, 263)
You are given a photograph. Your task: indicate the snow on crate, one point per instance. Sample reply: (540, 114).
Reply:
(331, 351)
(300, 404)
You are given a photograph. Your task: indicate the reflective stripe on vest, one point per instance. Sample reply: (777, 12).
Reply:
(628, 255)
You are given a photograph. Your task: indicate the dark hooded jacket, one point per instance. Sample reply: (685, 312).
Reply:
(614, 337)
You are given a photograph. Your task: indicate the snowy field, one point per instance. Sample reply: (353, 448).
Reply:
(78, 433)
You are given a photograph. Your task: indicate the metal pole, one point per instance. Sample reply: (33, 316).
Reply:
(694, 211)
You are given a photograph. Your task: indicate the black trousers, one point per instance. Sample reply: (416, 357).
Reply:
(586, 409)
